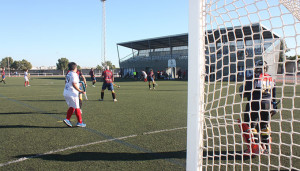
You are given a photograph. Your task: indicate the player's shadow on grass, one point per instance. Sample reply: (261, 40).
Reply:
(224, 155)
(26, 113)
(28, 126)
(86, 156)
(59, 100)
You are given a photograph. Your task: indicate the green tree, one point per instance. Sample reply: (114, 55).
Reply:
(6, 62)
(108, 63)
(15, 65)
(99, 67)
(293, 57)
(24, 65)
(62, 64)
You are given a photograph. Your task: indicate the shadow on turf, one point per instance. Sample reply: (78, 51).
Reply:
(83, 156)
(44, 100)
(224, 155)
(29, 126)
(26, 113)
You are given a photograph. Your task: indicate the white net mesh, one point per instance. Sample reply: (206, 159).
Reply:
(243, 38)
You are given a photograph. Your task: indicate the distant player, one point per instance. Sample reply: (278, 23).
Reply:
(93, 78)
(81, 76)
(261, 92)
(144, 76)
(26, 77)
(108, 80)
(71, 94)
(3, 75)
(150, 79)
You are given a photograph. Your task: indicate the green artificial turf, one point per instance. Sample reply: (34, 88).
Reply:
(144, 130)
(31, 124)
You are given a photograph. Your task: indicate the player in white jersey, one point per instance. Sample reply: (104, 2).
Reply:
(71, 93)
(144, 75)
(26, 77)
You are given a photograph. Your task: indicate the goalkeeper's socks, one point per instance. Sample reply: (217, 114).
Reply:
(70, 113)
(113, 95)
(78, 115)
(102, 95)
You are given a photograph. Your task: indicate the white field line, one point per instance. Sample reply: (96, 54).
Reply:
(165, 130)
(84, 145)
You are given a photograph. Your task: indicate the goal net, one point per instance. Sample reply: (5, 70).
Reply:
(244, 85)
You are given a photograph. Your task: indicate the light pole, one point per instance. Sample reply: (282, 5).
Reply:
(103, 32)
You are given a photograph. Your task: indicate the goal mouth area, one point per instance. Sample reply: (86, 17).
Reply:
(226, 39)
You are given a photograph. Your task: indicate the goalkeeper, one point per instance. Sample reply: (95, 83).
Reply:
(260, 92)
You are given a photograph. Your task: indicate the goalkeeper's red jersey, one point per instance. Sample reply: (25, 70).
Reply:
(107, 76)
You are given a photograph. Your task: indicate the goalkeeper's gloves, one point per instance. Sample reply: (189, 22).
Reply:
(274, 103)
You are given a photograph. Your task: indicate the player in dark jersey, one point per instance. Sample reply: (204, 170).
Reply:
(150, 78)
(108, 80)
(93, 78)
(3, 75)
(260, 91)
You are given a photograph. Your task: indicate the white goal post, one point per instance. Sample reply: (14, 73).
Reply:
(243, 85)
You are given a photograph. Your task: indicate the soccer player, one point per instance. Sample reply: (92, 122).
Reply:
(26, 77)
(144, 75)
(71, 94)
(150, 79)
(260, 92)
(81, 76)
(93, 78)
(3, 75)
(108, 80)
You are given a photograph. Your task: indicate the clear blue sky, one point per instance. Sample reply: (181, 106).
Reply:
(42, 31)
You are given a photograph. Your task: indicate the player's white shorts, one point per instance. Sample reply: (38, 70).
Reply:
(72, 101)
(26, 79)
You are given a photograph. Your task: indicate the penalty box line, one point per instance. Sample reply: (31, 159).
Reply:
(88, 144)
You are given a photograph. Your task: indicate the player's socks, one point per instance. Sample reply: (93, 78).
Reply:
(70, 113)
(149, 86)
(78, 115)
(153, 85)
(113, 95)
(4, 81)
(102, 95)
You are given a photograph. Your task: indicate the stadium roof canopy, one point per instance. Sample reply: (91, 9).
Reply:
(220, 35)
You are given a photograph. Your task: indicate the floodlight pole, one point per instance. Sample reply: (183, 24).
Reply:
(103, 31)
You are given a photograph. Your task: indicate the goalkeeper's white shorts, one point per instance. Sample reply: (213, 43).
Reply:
(72, 101)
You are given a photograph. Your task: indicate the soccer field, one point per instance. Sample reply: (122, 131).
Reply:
(144, 130)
